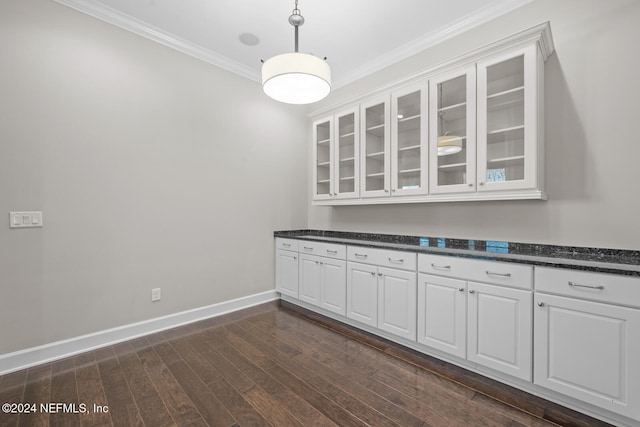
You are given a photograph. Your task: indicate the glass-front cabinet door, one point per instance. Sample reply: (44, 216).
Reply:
(322, 159)
(507, 120)
(452, 144)
(346, 147)
(409, 148)
(374, 133)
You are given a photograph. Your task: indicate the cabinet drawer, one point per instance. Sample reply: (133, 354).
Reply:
(382, 257)
(498, 273)
(328, 250)
(609, 288)
(287, 244)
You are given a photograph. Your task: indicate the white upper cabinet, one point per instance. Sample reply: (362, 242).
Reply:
(452, 140)
(375, 148)
(409, 114)
(347, 150)
(510, 122)
(323, 164)
(469, 129)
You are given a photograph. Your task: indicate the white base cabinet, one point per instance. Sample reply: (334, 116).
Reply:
(499, 329)
(587, 347)
(323, 282)
(397, 302)
(362, 293)
(287, 272)
(442, 314)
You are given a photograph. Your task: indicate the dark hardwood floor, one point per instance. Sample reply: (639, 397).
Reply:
(268, 365)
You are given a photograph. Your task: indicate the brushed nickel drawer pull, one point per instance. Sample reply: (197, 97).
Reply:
(287, 245)
(493, 273)
(576, 285)
(360, 255)
(307, 248)
(332, 252)
(442, 267)
(399, 261)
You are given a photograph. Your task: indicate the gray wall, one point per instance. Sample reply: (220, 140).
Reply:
(592, 149)
(153, 169)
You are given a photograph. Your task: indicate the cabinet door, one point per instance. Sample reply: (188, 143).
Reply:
(452, 135)
(323, 186)
(589, 351)
(333, 286)
(287, 272)
(442, 314)
(347, 162)
(510, 86)
(397, 302)
(309, 281)
(499, 328)
(375, 147)
(409, 147)
(362, 293)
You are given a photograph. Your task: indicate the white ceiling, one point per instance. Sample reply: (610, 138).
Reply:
(358, 37)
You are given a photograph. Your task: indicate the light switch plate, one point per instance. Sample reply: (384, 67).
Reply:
(25, 219)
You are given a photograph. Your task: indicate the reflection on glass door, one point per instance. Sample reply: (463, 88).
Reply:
(409, 140)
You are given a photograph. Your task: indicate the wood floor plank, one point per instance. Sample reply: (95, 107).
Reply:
(321, 402)
(234, 402)
(269, 408)
(91, 392)
(64, 390)
(152, 409)
(301, 409)
(121, 403)
(207, 372)
(12, 391)
(212, 410)
(37, 390)
(238, 379)
(176, 400)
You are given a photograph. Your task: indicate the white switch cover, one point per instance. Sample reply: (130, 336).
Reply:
(25, 219)
(156, 294)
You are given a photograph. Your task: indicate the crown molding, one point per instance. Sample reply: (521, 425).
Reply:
(129, 23)
(477, 18)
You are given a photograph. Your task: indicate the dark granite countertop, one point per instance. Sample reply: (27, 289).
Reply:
(616, 261)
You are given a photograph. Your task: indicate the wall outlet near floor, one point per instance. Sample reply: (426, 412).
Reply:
(156, 294)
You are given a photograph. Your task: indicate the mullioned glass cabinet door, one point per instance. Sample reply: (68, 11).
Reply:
(323, 185)
(452, 143)
(375, 147)
(409, 140)
(507, 120)
(347, 151)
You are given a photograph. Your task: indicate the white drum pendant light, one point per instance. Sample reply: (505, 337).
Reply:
(296, 78)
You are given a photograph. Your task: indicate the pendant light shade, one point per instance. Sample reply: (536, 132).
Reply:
(449, 144)
(296, 78)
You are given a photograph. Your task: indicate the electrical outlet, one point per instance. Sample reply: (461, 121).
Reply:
(156, 294)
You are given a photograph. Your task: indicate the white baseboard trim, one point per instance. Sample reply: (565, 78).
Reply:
(26, 358)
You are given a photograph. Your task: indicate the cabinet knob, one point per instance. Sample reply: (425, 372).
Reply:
(461, 289)
(380, 274)
(386, 190)
(472, 291)
(540, 304)
(481, 183)
(471, 184)
(295, 257)
(373, 273)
